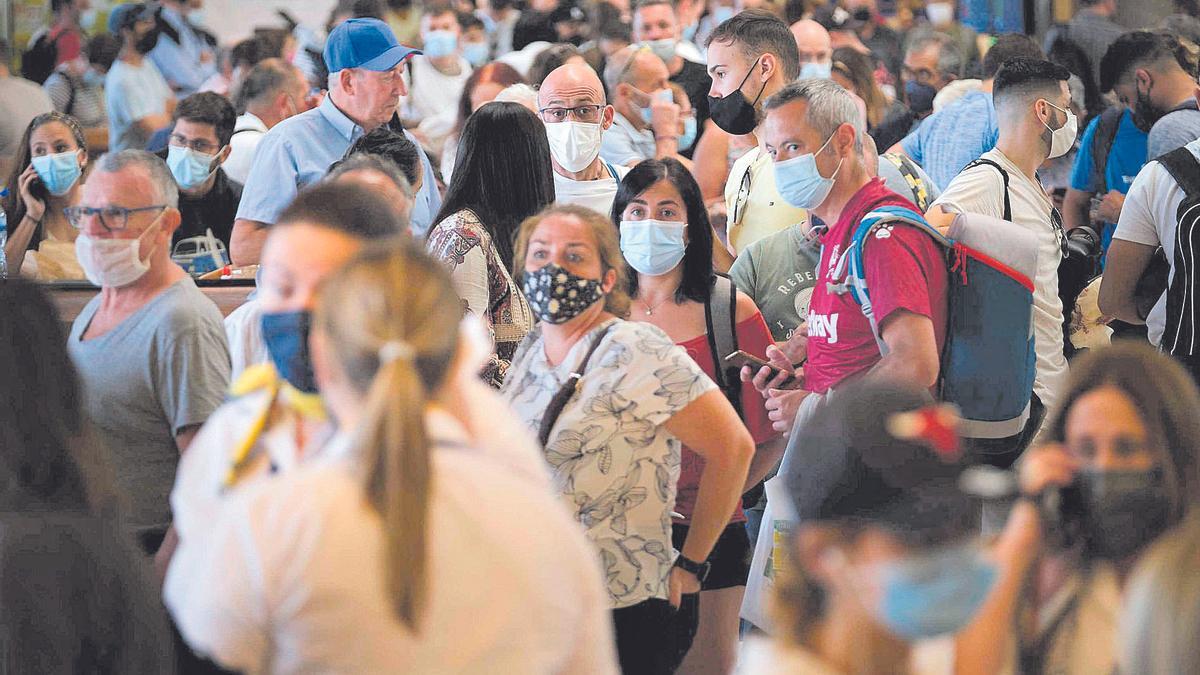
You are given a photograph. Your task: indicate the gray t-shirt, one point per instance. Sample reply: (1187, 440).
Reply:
(164, 368)
(1175, 130)
(779, 272)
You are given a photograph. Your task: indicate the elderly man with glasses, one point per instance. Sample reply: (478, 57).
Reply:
(648, 123)
(150, 348)
(571, 103)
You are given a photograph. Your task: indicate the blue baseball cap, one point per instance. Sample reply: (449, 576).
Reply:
(124, 16)
(364, 43)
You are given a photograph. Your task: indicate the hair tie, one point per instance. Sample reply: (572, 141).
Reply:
(396, 349)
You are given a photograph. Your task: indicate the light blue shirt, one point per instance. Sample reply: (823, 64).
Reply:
(953, 137)
(179, 62)
(298, 152)
(623, 144)
(131, 93)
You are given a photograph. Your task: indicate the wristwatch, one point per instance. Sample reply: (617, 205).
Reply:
(698, 569)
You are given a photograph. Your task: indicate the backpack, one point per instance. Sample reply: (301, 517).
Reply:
(987, 363)
(39, 60)
(1102, 142)
(1179, 338)
(720, 318)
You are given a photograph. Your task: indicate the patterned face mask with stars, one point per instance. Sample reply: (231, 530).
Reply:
(557, 296)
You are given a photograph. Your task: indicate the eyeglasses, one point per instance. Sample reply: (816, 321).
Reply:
(589, 114)
(113, 218)
(199, 145)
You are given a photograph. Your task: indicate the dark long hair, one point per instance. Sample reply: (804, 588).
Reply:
(495, 72)
(697, 260)
(502, 172)
(14, 204)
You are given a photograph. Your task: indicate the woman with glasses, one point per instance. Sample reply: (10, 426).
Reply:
(45, 180)
(667, 243)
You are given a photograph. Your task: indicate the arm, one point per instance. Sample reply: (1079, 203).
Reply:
(22, 234)
(766, 458)
(712, 161)
(1127, 261)
(1076, 208)
(912, 350)
(246, 242)
(152, 123)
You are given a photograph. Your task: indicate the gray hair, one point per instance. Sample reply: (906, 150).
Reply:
(165, 189)
(829, 106)
(265, 80)
(950, 57)
(618, 67)
(362, 161)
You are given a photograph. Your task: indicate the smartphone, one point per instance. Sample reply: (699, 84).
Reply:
(741, 358)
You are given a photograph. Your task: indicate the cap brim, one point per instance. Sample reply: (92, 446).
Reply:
(389, 59)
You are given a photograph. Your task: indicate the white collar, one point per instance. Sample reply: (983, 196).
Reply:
(249, 120)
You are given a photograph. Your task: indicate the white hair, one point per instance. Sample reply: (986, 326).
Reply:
(519, 93)
(165, 189)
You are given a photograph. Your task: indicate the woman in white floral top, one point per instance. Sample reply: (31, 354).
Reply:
(615, 446)
(502, 177)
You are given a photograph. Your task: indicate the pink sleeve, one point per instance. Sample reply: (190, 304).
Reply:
(902, 268)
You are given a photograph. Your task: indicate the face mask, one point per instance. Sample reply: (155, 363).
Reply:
(662, 95)
(722, 14)
(87, 19)
(557, 296)
(663, 49)
(112, 263)
(1123, 512)
(862, 14)
(196, 17)
(733, 113)
(933, 594)
(58, 172)
(439, 43)
(1062, 138)
(814, 70)
(939, 13)
(574, 145)
(476, 53)
(147, 42)
(652, 247)
(689, 133)
(920, 96)
(189, 167)
(1144, 113)
(800, 183)
(286, 337)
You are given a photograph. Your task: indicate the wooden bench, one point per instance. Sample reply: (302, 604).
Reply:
(70, 297)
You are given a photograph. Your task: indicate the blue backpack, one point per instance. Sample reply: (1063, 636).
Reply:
(987, 364)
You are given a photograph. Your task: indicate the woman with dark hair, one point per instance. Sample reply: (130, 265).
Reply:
(856, 72)
(45, 179)
(667, 243)
(502, 177)
(550, 59)
(1119, 468)
(74, 597)
(482, 87)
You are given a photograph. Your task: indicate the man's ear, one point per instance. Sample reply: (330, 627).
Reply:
(767, 66)
(224, 154)
(606, 119)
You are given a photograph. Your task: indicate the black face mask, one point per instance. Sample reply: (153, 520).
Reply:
(146, 43)
(733, 113)
(1144, 114)
(1123, 511)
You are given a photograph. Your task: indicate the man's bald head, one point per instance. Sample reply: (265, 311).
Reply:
(813, 41)
(571, 85)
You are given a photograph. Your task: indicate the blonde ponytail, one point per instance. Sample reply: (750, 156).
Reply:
(391, 318)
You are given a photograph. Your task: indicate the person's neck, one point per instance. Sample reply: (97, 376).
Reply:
(593, 171)
(1025, 149)
(265, 114)
(446, 65)
(985, 86)
(560, 338)
(851, 178)
(849, 644)
(162, 274)
(335, 96)
(1178, 88)
(675, 66)
(131, 56)
(657, 290)
(66, 19)
(55, 221)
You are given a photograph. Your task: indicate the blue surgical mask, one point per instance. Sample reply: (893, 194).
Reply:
(286, 336)
(933, 594)
(800, 183)
(476, 53)
(663, 49)
(439, 43)
(919, 96)
(661, 95)
(689, 133)
(189, 167)
(58, 172)
(815, 70)
(653, 247)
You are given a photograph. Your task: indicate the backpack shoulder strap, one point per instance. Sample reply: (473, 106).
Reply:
(720, 316)
(568, 389)
(1102, 142)
(1003, 174)
(1181, 164)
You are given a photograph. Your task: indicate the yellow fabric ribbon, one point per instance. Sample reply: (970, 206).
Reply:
(259, 378)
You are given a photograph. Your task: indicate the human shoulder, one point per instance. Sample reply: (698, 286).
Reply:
(746, 309)
(183, 310)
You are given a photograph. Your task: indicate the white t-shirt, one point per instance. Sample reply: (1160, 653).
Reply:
(981, 190)
(248, 131)
(433, 99)
(597, 195)
(132, 93)
(1148, 217)
(243, 331)
(294, 579)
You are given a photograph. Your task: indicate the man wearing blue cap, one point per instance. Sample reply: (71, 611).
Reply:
(138, 100)
(365, 63)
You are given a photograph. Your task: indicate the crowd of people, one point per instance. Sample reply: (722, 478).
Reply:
(602, 337)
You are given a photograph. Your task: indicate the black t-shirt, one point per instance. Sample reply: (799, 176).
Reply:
(695, 82)
(215, 210)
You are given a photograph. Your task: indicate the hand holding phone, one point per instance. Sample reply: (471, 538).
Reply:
(773, 377)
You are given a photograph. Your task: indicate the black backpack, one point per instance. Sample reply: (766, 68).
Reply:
(1179, 338)
(720, 318)
(39, 60)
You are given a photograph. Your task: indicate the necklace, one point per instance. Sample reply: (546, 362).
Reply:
(649, 309)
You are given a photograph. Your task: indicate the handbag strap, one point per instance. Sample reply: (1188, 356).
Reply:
(567, 390)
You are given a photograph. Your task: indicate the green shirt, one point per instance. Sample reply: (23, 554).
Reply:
(779, 272)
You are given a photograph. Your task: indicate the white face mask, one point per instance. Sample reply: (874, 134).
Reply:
(574, 145)
(939, 13)
(113, 263)
(1062, 138)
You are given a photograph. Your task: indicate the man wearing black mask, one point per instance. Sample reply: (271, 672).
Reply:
(138, 100)
(750, 57)
(1145, 71)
